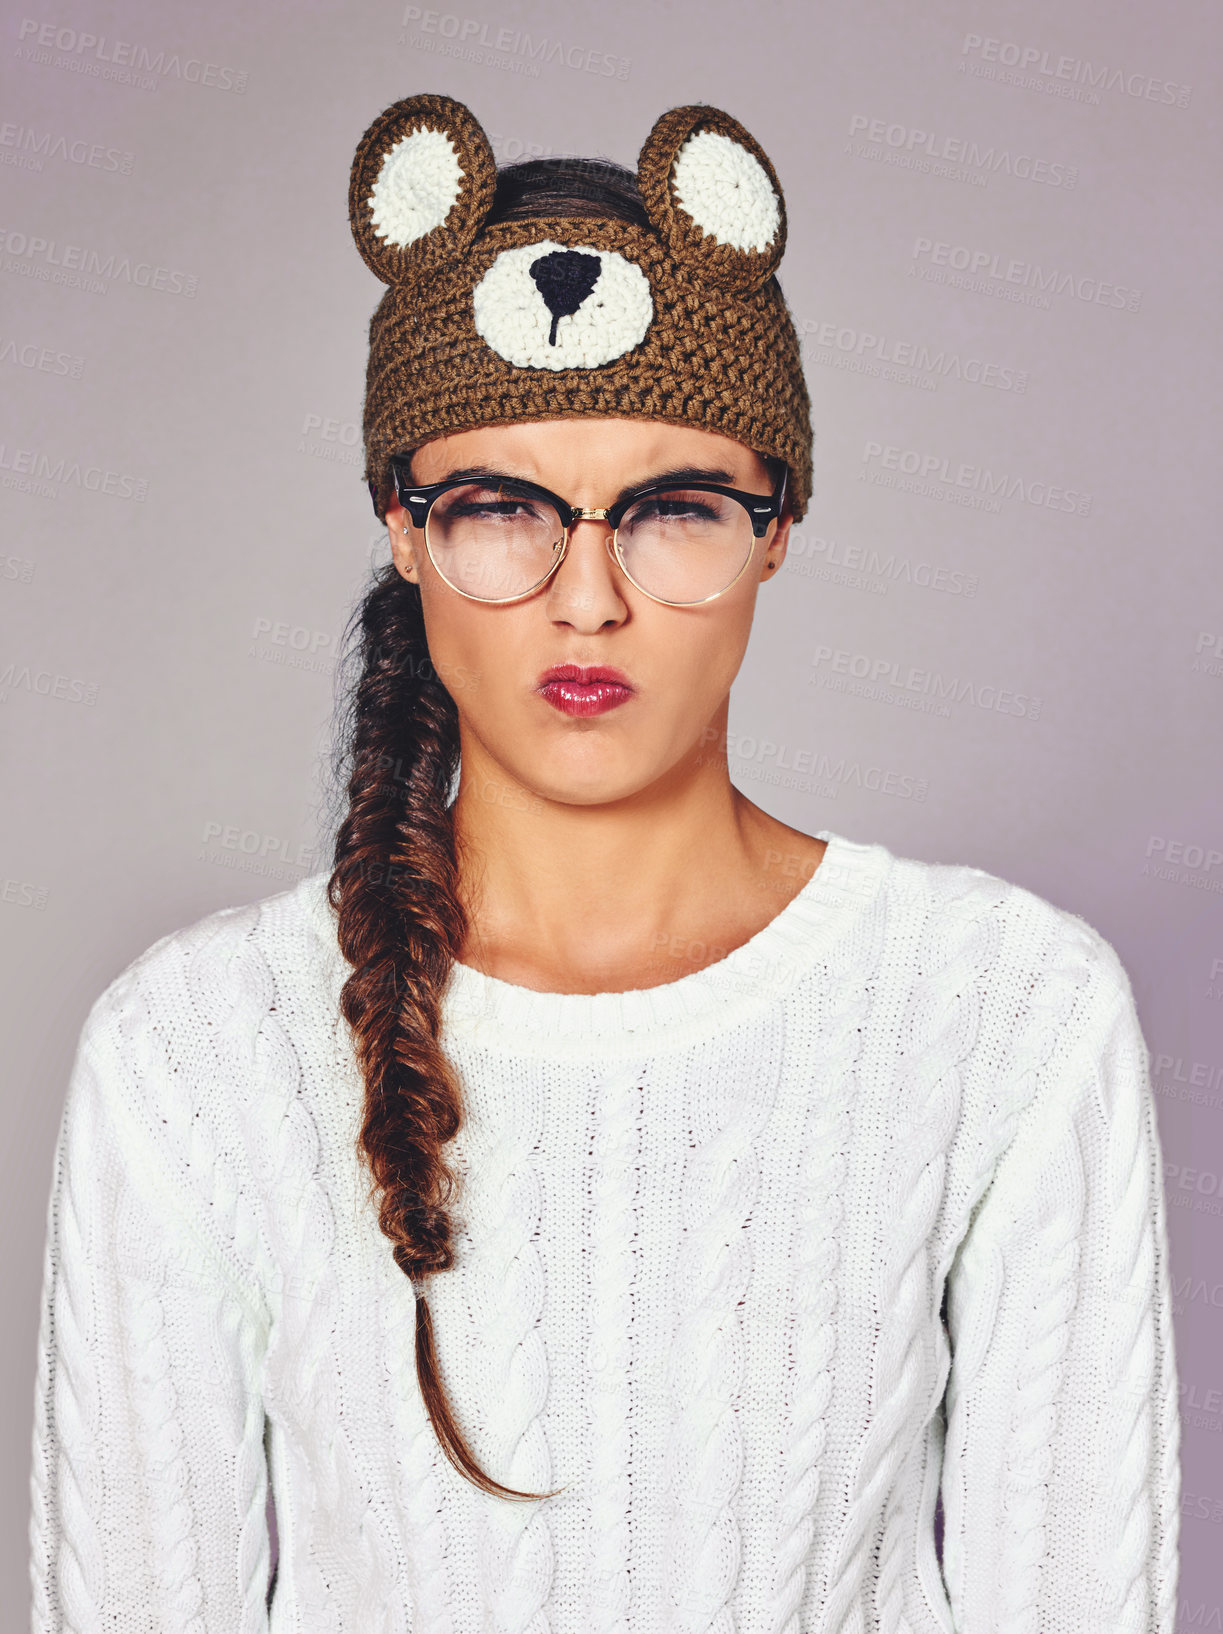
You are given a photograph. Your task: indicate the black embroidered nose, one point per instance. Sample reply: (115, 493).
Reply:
(565, 278)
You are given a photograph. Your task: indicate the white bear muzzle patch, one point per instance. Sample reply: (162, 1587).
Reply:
(562, 306)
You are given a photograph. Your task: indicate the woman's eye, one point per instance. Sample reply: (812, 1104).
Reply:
(491, 507)
(667, 508)
(495, 503)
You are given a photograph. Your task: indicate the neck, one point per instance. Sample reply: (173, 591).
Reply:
(631, 892)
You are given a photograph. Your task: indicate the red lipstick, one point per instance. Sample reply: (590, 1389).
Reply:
(590, 689)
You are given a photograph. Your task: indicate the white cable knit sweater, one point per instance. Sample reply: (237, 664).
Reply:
(755, 1265)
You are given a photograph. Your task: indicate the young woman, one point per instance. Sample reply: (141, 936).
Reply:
(594, 1204)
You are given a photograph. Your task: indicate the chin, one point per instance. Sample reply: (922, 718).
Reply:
(587, 779)
(578, 790)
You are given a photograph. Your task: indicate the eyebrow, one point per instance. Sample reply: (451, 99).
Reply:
(675, 474)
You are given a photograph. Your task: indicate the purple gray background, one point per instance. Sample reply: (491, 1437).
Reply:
(998, 638)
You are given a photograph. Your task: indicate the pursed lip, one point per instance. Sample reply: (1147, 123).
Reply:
(585, 675)
(583, 690)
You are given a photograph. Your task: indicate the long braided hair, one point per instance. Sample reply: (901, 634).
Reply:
(395, 871)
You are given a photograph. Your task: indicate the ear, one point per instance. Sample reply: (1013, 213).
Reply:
(713, 196)
(421, 183)
(403, 542)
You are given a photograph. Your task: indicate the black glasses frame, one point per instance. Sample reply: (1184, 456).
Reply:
(418, 499)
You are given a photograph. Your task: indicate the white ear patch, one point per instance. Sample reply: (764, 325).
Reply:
(416, 187)
(726, 191)
(562, 306)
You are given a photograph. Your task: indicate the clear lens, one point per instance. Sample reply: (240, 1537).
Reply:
(491, 541)
(685, 545)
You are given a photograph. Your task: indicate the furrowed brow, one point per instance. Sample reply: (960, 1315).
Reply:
(675, 476)
(483, 473)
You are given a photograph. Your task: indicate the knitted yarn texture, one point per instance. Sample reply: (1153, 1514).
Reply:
(758, 1265)
(547, 318)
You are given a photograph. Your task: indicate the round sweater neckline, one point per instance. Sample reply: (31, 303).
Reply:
(751, 977)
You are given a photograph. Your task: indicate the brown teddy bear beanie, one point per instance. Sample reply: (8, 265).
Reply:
(542, 319)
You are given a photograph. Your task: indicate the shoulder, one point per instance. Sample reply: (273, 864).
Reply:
(1033, 963)
(1020, 1008)
(208, 975)
(200, 1044)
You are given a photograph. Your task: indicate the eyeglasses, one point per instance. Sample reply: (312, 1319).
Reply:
(498, 539)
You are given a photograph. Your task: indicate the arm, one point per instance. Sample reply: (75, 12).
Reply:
(148, 1482)
(1061, 1463)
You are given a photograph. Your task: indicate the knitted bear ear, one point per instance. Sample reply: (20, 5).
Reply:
(713, 195)
(421, 183)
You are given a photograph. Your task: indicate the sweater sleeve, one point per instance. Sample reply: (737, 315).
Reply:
(1060, 1480)
(149, 1481)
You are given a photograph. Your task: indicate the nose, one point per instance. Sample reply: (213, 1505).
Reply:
(584, 591)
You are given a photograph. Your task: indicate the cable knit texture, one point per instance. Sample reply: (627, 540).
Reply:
(758, 1266)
